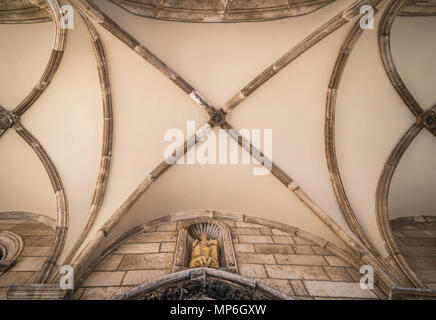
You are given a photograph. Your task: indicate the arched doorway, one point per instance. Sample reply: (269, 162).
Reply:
(203, 283)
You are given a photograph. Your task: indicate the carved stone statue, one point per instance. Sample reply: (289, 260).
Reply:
(204, 253)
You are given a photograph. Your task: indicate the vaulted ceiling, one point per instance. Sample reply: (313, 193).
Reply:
(350, 110)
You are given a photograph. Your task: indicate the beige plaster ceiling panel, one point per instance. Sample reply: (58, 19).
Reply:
(413, 49)
(25, 185)
(25, 50)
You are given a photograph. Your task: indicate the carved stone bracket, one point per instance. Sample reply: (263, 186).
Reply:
(218, 230)
(217, 117)
(429, 119)
(7, 119)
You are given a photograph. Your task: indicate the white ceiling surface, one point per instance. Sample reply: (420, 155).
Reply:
(24, 183)
(227, 188)
(25, 50)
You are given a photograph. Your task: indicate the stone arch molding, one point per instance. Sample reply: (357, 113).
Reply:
(203, 283)
(11, 246)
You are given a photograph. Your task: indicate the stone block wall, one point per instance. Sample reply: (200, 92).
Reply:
(416, 239)
(290, 264)
(38, 239)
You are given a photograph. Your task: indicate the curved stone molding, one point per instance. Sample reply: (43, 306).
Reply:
(203, 283)
(220, 10)
(384, 40)
(29, 216)
(62, 212)
(329, 132)
(23, 11)
(106, 152)
(418, 8)
(382, 196)
(11, 246)
(424, 119)
(53, 62)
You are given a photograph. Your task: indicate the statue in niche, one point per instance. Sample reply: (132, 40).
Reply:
(204, 253)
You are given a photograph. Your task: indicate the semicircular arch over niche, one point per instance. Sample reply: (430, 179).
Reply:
(295, 262)
(203, 284)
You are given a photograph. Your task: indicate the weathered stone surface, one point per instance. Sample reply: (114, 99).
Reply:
(337, 289)
(300, 259)
(78, 293)
(273, 248)
(138, 277)
(265, 232)
(424, 242)
(34, 229)
(4, 226)
(3, 293)
(103, 279)
(13, 221)
(245, 231)
(256, 258)
(427, 275)
(422, 262)
(281, 285)
(134, 248)
(11, 277)
(298, 287)
(103, 293)
(303, 249)
(302, 241)
(28, 264)
(247, 225)
(417, 233)
(168, 247)
(35, 251)
(244, 247)
(338, 274)
(171, 226)
(283, 239)
(296, 272)
(110, 263)
(252, 270)
(254, 239)
(418, 251)
(146, 261)
(38, 241)
(168, 236)
(279, 232)
(319, 250)
(336, 262)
